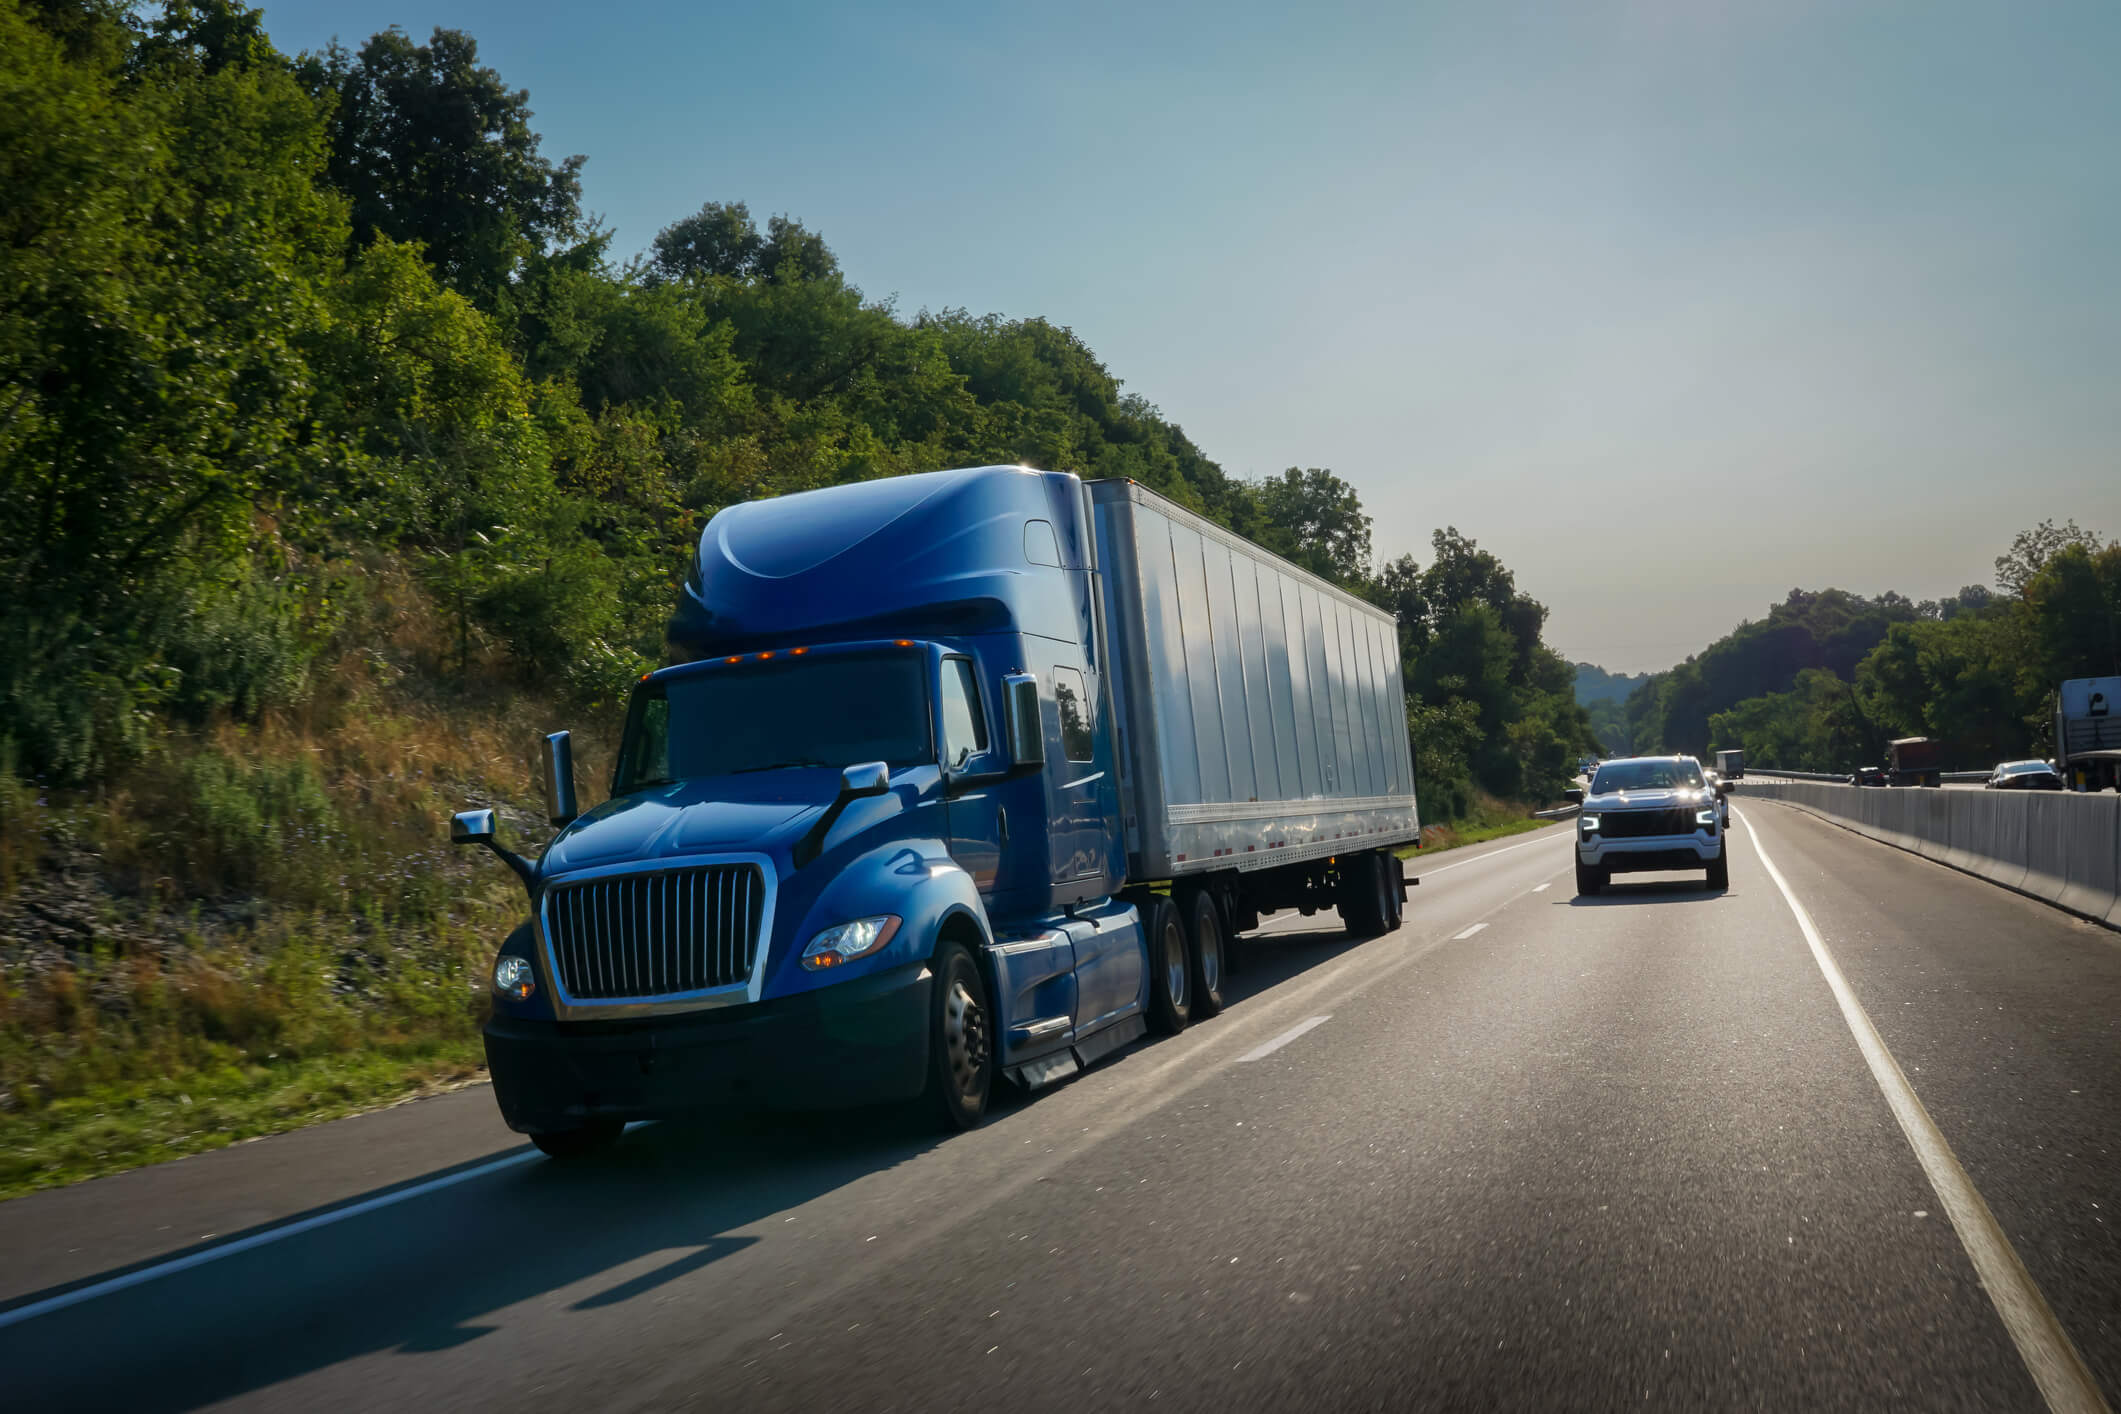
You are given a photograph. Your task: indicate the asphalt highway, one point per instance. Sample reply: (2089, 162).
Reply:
(1531, 1151)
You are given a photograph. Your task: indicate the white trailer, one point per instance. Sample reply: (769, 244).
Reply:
(1261, 715)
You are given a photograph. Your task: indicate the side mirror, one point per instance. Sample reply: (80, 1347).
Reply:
(1723, 788)
(471, 827)
(476, 827)
(869, 778)
(856, 783)
(556, 766)
(1027, 734)
(1573, 795)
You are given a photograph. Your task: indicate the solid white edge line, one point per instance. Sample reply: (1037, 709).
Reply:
(2050, 1356)
(64, 1299)
(1267, 1048)
(1461, 937)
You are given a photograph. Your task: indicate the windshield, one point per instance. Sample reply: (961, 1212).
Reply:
(1646, 775)
(836, 711)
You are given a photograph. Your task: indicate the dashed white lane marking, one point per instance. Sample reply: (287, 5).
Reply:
(79, 1294)
(2049, 1355)
(1268, 1048)
(1542, 888)
(1461, 937)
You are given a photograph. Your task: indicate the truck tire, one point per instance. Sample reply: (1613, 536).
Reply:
(960, 1041)
(1720, 871)
(1170, 968)
(1361, 895)
(582, 1141)
(1208, 952)
(1395, 872)
(1589, 880)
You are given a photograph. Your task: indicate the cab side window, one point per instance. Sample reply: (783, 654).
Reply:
(1076, 739)
(964, 728)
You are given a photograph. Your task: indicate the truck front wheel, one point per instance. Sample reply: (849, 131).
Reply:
(960, 1040)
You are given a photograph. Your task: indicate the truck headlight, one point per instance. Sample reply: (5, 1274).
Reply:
(1590, 823)
(1705, 819)
(849, 941)
(512, 978)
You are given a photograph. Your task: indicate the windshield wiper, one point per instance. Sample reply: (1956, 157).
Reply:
(777, 766)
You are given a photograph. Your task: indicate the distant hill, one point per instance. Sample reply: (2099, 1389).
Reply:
(1595, 684)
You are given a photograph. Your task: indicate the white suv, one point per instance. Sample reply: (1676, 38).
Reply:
(1649, 812)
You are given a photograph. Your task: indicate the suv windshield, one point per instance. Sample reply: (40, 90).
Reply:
(1646, 775)
(836, 711)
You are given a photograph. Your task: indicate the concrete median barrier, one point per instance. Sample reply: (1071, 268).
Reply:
(2064, 849)
(2091, 857)
(2047, 833)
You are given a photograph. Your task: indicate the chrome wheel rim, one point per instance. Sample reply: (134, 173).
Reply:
(964, 1036)
(1175, 963)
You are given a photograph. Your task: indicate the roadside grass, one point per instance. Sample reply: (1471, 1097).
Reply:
(125, 1125)
(261, 924)
(1489, 819)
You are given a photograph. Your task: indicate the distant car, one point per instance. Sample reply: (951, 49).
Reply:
(2024, 775)
(1869, 776)
(1649, 812)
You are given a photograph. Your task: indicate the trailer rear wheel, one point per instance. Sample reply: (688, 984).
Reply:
(1170, 969)
(1209, 953)
(1361, 895)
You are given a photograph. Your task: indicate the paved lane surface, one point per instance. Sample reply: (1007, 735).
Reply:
(1593, 1153)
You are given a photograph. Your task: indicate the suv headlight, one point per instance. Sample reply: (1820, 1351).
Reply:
(849, 941)
(1705, 819)
(1590, 823)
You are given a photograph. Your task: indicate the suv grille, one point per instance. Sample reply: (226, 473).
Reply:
(651, 935)
(1639, 824)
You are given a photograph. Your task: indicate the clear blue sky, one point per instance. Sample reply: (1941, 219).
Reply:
(1673, 304)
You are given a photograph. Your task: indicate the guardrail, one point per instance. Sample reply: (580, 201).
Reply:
(2056, 846)
(1561, 814)
(1957, 777)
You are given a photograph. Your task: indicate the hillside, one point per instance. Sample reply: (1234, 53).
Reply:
(1595, 684)
(345, 456)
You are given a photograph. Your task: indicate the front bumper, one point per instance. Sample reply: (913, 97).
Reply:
(1634, 856)
(855, 1042)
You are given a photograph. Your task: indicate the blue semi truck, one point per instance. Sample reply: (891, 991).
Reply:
(958, 775)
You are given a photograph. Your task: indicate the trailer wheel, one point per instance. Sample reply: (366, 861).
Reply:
(960, 1041)
(1170, 970)
(1394, 896)
(1209, 954)
(1361, 895)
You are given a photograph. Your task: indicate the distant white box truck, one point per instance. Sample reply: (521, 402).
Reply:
(1730, 765)
(2088, 733)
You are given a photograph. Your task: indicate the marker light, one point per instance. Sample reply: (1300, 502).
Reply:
(849, 941)
(764, 656)
(734, 658)
(905, 643)
(512, 978)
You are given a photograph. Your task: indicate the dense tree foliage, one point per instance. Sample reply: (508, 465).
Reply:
(1828, 678)
(270, 318)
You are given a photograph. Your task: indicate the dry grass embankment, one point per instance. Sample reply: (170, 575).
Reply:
(263, 925)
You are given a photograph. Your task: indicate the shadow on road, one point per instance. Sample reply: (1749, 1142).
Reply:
(423, 1275)
(1687, 889)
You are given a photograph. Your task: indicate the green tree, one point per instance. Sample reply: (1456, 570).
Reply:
(432, 146)
(1316, 519)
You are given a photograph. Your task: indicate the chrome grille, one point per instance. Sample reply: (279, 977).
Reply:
(1640, 824)
(652, 935)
